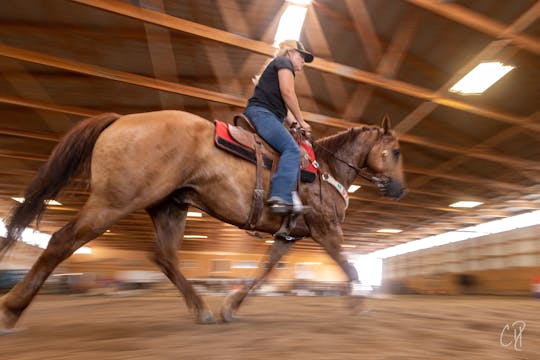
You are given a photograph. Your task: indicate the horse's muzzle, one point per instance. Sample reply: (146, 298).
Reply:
(391, 188)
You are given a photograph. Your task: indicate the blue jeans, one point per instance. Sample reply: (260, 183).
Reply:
(269, 126)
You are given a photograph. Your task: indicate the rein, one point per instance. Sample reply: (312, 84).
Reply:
(363, 172)
(380, 181)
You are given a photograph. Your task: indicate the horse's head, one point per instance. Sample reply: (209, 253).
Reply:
(385, 161)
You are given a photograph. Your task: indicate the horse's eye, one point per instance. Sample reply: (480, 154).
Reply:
(396, 153)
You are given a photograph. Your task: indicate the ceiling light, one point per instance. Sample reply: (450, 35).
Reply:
(300, 2)
(269, 241)
(490, 227)
(290, 24)
(48, 202)
(389, 231)
(194, 214)
(353, 188)
(195, 237)
(481, 77)
(466, 204)
(348, 246)
(83, 250)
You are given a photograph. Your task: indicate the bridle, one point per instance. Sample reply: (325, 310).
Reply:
(381, 181)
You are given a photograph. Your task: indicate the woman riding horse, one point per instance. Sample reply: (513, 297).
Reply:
(146, 161)
(267, 110)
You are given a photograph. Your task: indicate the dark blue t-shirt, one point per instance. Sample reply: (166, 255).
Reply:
(267, 93)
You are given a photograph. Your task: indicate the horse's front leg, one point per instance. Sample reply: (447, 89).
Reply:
(233, 301)
(331, 237)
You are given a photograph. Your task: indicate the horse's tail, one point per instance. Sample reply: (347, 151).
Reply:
(69, 158)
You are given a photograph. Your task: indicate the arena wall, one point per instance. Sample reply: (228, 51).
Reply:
(503, 263)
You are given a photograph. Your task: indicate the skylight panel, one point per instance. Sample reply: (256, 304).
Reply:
(481, 78)
(290, 24)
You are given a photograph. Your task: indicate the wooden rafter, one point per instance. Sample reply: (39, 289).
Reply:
(386, 67)
(484, 24)
(482, 154)
(365, 29)
(319, 64)
(490, 51)
(162, 55)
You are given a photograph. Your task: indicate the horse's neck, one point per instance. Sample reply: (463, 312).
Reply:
(354, 152)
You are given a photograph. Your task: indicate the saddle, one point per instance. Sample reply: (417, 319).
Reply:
(241, 139)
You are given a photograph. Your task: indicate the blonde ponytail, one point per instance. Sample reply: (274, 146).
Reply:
(284, 46)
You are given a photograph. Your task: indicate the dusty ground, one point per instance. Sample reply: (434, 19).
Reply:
(159, 327)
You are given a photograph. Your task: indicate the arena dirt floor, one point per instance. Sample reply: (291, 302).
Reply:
(154, 326)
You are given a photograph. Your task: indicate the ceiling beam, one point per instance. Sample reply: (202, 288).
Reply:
(316, 38)
(43, 105)
(348, 72)
(482, 23)
(94, 70)
(405, 138)
(479, 152)
(366, 31)
(470, 179)
(447, 166)
(162, 56)
(387, 66)
(488, 53)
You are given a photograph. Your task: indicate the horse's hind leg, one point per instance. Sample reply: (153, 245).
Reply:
(233, 301)
(87, 226)
(169, 222)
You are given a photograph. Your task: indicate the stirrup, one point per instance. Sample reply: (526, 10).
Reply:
(285, 229)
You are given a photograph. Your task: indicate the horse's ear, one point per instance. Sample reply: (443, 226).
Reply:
(386, 125)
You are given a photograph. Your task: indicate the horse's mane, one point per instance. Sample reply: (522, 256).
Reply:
(326, 147)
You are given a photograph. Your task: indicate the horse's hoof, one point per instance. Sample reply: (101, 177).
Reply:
(227, 314)
(10, 331)
(357, 304)
(230, 305)
(205, 317)
(7, 321)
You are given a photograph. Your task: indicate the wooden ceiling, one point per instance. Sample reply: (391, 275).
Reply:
(61, 61)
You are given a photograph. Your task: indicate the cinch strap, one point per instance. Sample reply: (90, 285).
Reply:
(340, 188)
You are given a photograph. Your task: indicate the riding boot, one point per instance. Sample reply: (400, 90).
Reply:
(279, 207)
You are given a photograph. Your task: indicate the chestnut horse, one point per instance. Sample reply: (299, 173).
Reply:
(165, 162)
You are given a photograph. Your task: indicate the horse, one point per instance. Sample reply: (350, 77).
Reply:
(165, 162)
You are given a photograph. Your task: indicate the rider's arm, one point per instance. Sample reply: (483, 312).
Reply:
(289, 119)
(286, 86)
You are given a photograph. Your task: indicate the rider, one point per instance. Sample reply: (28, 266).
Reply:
(267, 110)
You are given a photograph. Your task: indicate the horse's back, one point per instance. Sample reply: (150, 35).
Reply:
(156, 121)
(147, 155)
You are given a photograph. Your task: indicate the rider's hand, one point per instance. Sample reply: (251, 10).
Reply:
(306, 128)
(307, 132)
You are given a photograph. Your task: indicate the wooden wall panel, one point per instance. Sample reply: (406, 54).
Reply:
(500, 263)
